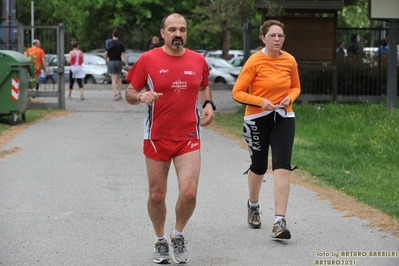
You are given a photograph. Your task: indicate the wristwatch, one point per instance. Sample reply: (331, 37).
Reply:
(211, 102)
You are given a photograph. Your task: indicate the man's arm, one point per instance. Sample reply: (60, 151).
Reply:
(125, 60)
(136, 97)
(132, 95)
(204, 94)
(207, 112)
(44, 64)
(106, 56)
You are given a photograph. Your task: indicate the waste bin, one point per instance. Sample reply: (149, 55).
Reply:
(14, 75)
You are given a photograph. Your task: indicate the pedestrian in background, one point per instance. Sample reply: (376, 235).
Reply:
(114, 52)
(75, 61)
(176, 82)
(384, 47)
(354, 46)
(39, 57)
(268, 84)
(341, 50)
(154, 43)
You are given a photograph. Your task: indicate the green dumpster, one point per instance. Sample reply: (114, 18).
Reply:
(14, 75)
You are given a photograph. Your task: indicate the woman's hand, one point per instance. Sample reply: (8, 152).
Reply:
(267, 105)
(286, 102)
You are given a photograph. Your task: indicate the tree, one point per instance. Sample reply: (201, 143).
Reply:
(223, 18)
(91, 22)
(355, 14)
(212, 24)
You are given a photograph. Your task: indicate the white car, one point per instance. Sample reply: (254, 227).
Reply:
(218, 54)
(221, 71)
(237, 61)
(369, 55)
(94, 67)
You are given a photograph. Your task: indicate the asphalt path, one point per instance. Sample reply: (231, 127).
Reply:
(75, 193)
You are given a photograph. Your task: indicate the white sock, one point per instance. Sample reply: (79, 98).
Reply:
(177, 233)
(278, 218)
(160, 239)
(253, 204)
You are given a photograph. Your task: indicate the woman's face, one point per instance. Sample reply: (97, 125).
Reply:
(274, 38)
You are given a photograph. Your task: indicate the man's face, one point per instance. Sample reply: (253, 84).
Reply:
(175, 32)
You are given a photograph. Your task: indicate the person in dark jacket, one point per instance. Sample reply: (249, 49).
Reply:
(114, 52)
(354, 46)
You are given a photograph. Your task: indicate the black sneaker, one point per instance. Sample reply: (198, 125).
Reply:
(180, 253)
(254, 217)
(161, 252)
(280, 230)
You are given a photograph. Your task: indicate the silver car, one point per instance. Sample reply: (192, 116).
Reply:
(131, 60)
(94, 67)
(218, 53)
(221, 71)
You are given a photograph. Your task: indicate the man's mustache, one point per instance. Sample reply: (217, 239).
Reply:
(177, 38)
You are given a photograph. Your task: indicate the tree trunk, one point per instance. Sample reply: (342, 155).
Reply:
(226, 39)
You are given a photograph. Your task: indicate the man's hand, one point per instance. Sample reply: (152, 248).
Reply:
(149, 97)
(207, 115)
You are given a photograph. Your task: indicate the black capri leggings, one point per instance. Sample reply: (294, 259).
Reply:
(72, 81)
(271, 130)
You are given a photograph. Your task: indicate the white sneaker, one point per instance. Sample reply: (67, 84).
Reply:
(180, 253)
(161, 252)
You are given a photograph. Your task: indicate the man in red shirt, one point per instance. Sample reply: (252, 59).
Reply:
(37, 54)
(173, 82)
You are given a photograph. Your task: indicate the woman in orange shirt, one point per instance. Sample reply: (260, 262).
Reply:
(268, 85)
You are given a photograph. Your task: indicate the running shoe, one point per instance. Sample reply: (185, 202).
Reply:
(116, 98)
(161, 252)
(254, 217)
(180, 253)
(82, 97)
(69, 97)
(280, 230)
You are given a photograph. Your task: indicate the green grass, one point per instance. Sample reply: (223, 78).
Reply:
(31, 116)
(354, 148)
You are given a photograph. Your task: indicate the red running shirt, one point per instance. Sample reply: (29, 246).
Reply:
(175, 115)
(76, 58)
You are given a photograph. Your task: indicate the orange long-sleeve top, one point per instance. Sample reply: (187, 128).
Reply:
(264, 77)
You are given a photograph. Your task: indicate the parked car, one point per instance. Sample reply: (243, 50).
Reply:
(102, 51)
(369, 55)
(218, 54)
(201, 51)
(237, 61)
(132, 58)
(221, 71)
(94, 67)
(48, 57)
